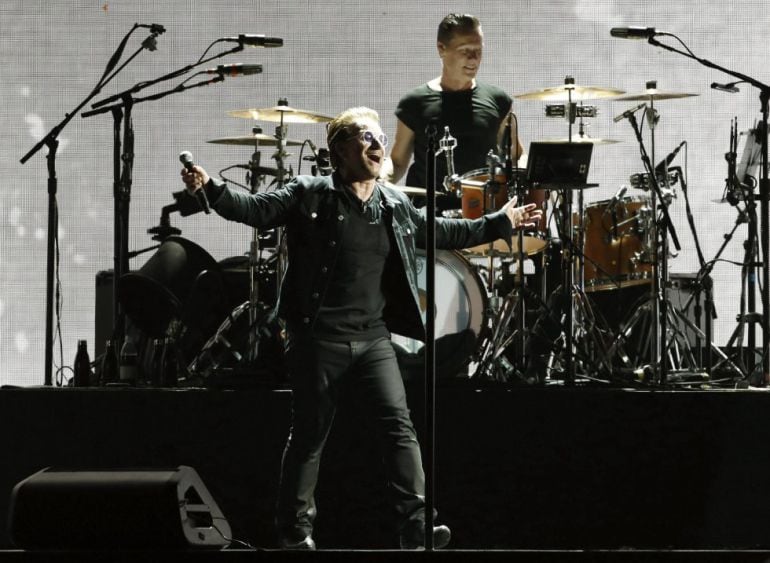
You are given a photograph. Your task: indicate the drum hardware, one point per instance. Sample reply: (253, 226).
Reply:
(283, 114)
(764, 182)
(581, 337)
(641, 181)
(447, 144)
(668, 346)
(580, 110)
(747, 317)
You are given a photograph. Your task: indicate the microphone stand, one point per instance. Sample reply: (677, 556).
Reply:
(51, 140)
(667, 228)
(430, 329)
(121, 112)
(764, 188)
(122, 183)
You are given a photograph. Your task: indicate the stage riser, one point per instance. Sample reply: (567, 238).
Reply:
(516, 469)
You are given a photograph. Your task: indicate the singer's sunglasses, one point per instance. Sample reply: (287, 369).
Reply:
(368, 137)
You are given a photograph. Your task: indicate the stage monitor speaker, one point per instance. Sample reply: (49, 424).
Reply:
(107, 509)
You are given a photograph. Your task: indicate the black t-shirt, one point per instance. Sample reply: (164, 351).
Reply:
(473, 116)
(354, 302)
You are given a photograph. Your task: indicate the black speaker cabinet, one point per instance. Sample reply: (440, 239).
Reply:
(128, 509)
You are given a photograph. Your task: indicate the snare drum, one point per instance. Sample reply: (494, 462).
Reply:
(615, 244)
(461, 300)
(473, 184)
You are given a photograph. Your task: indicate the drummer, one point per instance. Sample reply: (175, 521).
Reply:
(475, 112)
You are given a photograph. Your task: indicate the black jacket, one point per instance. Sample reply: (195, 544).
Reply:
(312, 210)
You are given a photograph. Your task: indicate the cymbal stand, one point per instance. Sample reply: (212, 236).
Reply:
(254, 179)
(492, 363)
(581, 326)
(663, 228)
(748, 272)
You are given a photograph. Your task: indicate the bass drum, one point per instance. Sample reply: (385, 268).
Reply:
(460, 314)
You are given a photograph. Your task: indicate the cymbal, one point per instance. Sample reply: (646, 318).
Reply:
(584, 140)
(651, 94)
(251, 140)
(565, 92)
(289, 115)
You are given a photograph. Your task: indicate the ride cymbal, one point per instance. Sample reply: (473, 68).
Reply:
(281, 113)
(653, 94)
(567, 92)
(251, 140)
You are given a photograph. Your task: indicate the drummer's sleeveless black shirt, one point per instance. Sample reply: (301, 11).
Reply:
(473, 116)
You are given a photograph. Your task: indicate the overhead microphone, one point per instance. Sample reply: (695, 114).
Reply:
(615, 199)
(663, 164)
(236, 69)
(611, 209)
(186, 158)
(628, 112)
(635, 32)
(730, 87)
(252, 40)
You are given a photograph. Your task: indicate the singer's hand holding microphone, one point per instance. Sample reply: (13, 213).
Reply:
(194, 178)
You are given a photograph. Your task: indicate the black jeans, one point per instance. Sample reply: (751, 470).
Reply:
(318, 370)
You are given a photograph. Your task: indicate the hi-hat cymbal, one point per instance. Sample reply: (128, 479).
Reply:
(252, 140)
(651, 94)
(277, 113)
(567, 92)
(584, 140)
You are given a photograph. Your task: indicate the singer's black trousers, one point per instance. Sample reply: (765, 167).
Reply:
(368, 372)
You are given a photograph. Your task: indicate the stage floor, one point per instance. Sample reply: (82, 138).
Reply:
(524, 469)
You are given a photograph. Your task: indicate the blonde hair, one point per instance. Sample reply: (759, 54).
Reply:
(340, 129)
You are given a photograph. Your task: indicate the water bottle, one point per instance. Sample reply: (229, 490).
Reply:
(170, 364)
(156, 364)
(82, 366)
(108, 372)
(129, 359)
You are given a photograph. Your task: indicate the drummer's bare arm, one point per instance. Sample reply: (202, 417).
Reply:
(516, 147)
(396, 164)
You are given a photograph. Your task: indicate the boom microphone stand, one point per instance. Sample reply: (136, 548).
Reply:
(121, 112)
(430, 329)
(764, 182)
(51, 140)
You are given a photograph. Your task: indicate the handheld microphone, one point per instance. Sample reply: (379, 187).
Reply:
(634, 32)
(236, 69)
(725, 87)
(629, 112)
(663, 164)
(252, 40)
(186, 158)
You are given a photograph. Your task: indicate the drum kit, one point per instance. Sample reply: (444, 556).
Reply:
(582, 256)
(599, 253)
